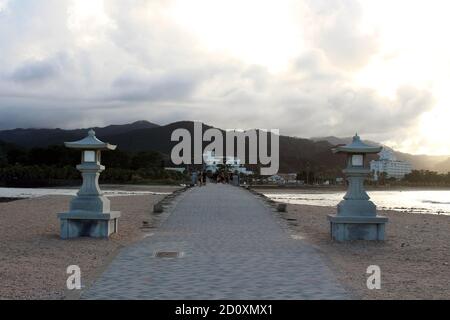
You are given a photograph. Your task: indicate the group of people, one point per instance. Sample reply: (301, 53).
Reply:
(224, 178)
(199, 178)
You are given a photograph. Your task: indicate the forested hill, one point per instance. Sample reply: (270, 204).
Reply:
(296, 154)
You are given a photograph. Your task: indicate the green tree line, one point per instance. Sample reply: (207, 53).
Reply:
(55, 165)
(426, 177)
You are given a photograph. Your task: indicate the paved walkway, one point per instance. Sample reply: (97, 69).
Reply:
(232, 248)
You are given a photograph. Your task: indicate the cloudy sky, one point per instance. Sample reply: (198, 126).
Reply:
(308, 67)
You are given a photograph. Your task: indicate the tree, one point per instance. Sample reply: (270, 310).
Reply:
(53, 156)
(116, 159)
(382, 177)
(146, 159)
(16, 155)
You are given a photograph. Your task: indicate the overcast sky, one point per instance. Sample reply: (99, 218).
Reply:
(307, 67)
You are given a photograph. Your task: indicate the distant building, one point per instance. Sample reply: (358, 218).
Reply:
(276, 179)
(389, 165)
(180, 170)
(234, 164)
(284, 178)
(289, 177)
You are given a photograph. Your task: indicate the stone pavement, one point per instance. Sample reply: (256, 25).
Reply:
(231, 247)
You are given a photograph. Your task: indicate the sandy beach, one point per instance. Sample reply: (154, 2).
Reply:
(34, 260)
(414, 259)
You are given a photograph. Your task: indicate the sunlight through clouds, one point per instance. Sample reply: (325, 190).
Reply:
(87, 19)
(257, 32)
(308, 67)
(3, 5)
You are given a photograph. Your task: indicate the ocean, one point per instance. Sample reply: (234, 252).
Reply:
(416, 201)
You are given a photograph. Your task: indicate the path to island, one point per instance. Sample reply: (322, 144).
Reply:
(231, 246)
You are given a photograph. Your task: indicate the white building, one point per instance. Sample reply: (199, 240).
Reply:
(212, 162)
(284, 178)
(180, 170)
(389, 165)
(276, 179)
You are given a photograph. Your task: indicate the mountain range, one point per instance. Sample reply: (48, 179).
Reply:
(296, 154)
(419, 162)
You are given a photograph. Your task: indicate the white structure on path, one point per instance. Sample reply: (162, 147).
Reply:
(389, 165)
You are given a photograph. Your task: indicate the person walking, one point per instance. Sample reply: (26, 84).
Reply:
(194, 178)
(200, 179)
(204, 178)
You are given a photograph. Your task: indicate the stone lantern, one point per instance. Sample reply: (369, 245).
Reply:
(89, 214)
(356, 217)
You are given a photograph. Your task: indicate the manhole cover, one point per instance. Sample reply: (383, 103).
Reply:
(167, 254)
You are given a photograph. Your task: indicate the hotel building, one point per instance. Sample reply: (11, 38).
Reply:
(234, 164)
(389, 165)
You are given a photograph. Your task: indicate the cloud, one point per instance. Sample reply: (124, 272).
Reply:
(151, 88)
(335, 28)
(33, 71)
(64, 68)
(3, 5)
(363, 110)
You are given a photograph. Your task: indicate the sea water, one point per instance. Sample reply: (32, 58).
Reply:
(40, 192)
(416, 201)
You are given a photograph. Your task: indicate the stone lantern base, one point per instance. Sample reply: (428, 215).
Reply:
(77, 224)
(357, 228)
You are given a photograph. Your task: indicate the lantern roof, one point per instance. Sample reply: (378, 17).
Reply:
(91, 142)
(357, 146)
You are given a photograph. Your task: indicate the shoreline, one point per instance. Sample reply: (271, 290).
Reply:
(406, 201)
(414, 260)
(324, 189)
(107, 190)
(31, 240)
(9, 199)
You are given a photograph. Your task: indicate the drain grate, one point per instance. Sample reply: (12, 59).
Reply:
(167, 254)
